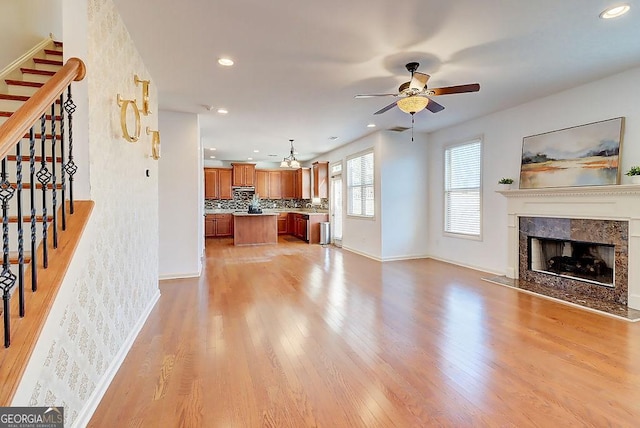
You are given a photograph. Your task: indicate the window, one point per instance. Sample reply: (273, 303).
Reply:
(462, 189)
(360, 194)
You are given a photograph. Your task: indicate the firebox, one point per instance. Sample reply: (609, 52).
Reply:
(585, 261)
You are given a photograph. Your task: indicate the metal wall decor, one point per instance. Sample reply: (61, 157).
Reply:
(155, 143)
(124, 105)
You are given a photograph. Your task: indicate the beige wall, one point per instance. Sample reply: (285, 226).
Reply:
(113, 280)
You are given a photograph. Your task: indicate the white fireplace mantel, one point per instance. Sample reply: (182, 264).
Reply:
(621, 202)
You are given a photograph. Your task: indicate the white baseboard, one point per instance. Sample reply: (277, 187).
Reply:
(468, 266)
(405, 257)
(370, 256)
(179, 275)
(92, 403)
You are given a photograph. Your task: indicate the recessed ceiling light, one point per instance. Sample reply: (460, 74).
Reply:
(249, 158)
(371, 125)
(227, 62)
(615, 11)
(212, 157)
(256, 151)
(223, 111)
(212, 148)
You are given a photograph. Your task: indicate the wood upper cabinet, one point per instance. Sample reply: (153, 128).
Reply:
(243, 174)
(287, 188)
(262, 184)
(302, 183)
(224, 184)
(320, 180)
(217, 183)
(211, 184)
(268, 184)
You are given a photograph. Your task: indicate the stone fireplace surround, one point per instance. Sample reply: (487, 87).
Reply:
(619, 203)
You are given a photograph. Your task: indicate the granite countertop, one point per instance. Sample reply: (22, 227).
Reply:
(246, 214)
(267, 211)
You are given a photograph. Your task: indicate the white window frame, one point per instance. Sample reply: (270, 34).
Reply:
(445, 186)
(349, 186)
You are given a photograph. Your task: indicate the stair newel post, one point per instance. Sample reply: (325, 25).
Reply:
(62, 174)
(43, 175)
(54, 203)
(7, 278)
(32, 198)
(20, 227)
(70, 167)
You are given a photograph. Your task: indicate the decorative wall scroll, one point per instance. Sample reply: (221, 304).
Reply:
(124, 106)
(126, 124)
(155, 143)
(145, 94)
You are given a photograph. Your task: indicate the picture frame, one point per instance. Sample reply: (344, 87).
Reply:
(585, 155)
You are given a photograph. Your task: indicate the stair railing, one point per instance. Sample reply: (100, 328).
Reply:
(21, 125)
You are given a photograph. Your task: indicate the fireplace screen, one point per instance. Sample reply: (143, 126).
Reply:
(578, 260)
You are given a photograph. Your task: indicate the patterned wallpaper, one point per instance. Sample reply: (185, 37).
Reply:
(117, 283)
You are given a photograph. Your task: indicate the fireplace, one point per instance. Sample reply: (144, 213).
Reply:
(586, 261)
(577, 242)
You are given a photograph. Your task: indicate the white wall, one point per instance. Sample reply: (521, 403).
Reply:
(181, 195)
(24, 23)
(404, 199)
(399, 227)
(611, 97)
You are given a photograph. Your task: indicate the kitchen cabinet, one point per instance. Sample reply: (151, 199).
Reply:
(283, 223)
(243, 174)
(287, 188)
(320, 180)
(302, 183)
(217, 183)
(268, 184)
(218, 225)
(299, 227)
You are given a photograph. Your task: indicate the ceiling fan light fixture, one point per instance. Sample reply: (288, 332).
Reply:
(413, 104)
(615, 11)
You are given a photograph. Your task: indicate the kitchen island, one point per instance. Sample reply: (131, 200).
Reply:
(255, 229)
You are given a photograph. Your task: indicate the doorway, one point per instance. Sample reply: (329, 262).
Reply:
(335, 205)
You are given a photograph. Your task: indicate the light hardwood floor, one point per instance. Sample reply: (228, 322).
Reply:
(293, 335)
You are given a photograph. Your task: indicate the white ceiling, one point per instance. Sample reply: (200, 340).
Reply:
(299, 63)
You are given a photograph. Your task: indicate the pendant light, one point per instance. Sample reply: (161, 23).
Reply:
(290, 161)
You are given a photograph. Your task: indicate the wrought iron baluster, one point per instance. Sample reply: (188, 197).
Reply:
(70, 167)
(7, 278)
(62, 172)
(44, 176)
(20, 227)
(54, 203)
(32, 197)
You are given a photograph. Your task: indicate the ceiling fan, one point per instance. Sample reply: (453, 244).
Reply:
(414, 94)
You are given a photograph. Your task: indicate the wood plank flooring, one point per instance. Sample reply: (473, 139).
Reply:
(293, 335)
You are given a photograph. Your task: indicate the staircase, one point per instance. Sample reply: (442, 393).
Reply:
(36, 197)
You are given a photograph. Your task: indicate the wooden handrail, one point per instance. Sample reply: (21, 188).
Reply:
(21, 121)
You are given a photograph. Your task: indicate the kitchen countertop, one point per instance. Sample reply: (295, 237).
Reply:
(266, 211)
(246, 214)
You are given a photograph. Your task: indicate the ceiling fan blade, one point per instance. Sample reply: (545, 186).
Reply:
(459, 89)
(434, 107)
(389, 107)
(375, 95)
(418, 80)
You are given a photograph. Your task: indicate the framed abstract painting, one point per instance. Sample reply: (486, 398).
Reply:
(586, 155)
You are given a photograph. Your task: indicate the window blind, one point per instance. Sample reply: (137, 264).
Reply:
(462, 188)
(360, 190)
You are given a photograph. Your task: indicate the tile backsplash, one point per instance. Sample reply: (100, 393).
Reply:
(242, 198)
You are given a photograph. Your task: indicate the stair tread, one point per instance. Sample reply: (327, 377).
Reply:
(23, 83)
(17, 98)
(13, 158)
(27, 219)
(39, 136)
(36, 71)
(38, 186)
(47, 61)
(57, 43)
(9, 113)
(52, 52)
(13, 257)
